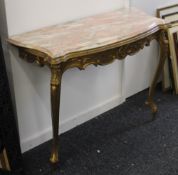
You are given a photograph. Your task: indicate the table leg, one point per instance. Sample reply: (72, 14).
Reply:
(163, 42)
(56, 76)
(4, 160)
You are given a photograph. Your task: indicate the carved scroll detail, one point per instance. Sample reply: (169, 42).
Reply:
(108, 56)
(31, 58)
(100, 58)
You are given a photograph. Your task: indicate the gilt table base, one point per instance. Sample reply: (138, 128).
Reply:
(99, 58)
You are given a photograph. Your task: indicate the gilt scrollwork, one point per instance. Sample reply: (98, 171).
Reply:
(32, 58)
(108, 56)
(100, 58)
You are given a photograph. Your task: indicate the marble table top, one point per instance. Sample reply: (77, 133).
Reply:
(58, 41)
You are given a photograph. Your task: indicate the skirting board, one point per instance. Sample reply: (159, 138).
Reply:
(74, 121)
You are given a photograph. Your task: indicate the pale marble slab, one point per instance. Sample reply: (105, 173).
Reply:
(87, 33)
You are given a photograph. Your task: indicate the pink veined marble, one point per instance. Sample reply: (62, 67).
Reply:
(88, 33)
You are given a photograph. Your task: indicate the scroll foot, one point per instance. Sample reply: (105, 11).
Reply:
(152, 105)
(54, 158)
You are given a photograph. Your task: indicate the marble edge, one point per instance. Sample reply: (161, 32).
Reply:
(57, 60)
(39, 49)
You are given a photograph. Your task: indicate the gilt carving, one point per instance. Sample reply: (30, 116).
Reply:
(32, 57)
(100, 58)
(108, 56)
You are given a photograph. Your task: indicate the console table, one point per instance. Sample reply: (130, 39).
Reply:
(95, 40)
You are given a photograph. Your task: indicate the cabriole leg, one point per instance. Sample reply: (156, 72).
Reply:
(4, 160)
(56, 76)
(163, 42)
